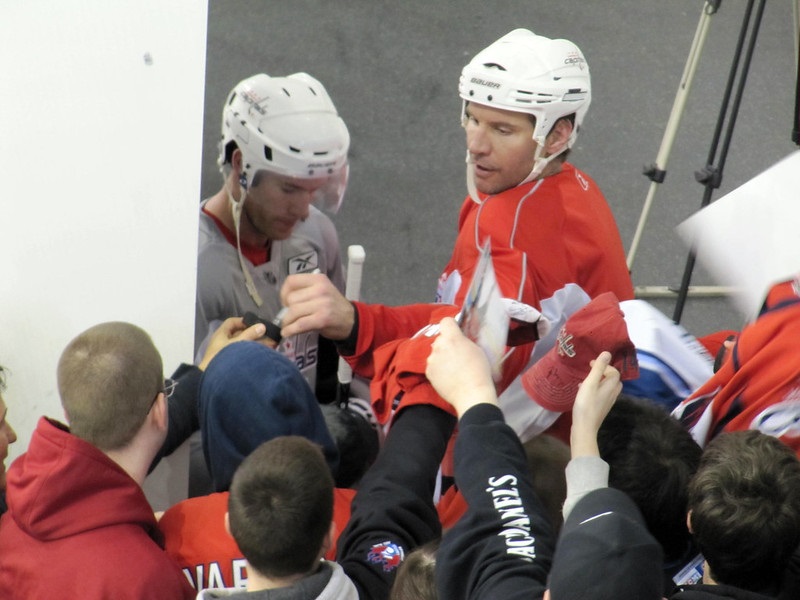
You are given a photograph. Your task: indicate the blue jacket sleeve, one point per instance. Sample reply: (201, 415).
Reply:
(503, 545)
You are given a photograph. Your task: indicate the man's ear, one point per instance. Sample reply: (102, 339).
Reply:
(228, 523)
(327, 541)
(558, 137)
(236, 159)
(160, 412)
(689, 521)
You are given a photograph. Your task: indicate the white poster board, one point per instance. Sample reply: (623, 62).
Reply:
(750, 238)
(101, 122)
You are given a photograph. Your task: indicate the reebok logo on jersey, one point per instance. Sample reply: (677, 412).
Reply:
(303, 263)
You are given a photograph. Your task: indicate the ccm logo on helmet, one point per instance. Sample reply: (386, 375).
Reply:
(479, 81)
(575, 60)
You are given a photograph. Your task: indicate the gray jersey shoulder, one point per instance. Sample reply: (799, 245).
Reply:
(221, 291)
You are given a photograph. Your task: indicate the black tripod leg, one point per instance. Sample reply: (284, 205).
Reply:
(796, 129)
(711, 175)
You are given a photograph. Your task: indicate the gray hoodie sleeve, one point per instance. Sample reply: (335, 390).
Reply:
(584, 474)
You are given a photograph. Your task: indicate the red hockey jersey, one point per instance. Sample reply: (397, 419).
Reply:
(544, 235)
(196, 539)
(758, 385)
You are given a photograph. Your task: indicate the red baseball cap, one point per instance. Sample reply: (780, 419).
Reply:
(553, 380)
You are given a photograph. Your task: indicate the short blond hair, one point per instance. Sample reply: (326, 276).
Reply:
(108, 377)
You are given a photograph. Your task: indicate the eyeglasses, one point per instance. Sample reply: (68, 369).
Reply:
(167, 389)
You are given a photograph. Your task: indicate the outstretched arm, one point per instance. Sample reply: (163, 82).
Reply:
(182, 405)
(314, 303)
(596, 395)
(503, 546)
(232, 330)
(393, 511)
(458, 370)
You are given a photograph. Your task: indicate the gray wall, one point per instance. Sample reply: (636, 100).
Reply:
(392, 69)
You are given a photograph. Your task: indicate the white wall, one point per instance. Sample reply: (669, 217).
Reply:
(100, 150)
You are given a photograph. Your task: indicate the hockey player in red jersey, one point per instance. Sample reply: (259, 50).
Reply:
(554, 241)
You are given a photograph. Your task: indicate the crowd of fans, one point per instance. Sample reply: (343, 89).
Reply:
(607, 453)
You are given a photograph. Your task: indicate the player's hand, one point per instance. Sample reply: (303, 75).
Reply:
(314, 304)
(596, 395)
(233, 330)
(458, 369)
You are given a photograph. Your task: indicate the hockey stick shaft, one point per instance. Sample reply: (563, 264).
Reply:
(352, 291)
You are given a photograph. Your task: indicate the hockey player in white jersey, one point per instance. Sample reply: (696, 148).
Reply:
(283, 153)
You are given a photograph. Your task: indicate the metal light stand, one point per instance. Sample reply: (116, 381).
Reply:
(711, 175)
(796, 130)
(657, 171)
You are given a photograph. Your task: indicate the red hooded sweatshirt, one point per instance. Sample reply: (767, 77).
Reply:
(78, 526)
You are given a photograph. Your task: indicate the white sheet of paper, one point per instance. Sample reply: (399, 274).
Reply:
(483, 317)
(750, 238)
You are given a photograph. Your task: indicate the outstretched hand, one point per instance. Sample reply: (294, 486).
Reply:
(233, 330)
(313, 303)
(596, 395)
(459, 370)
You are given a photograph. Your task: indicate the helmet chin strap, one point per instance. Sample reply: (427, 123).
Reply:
(236, 211)
(539, 164)
(472, 189)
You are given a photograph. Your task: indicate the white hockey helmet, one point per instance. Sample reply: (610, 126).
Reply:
(289, 126)
(532, 74)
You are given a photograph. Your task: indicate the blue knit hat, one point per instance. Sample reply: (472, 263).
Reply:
(249, 395)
